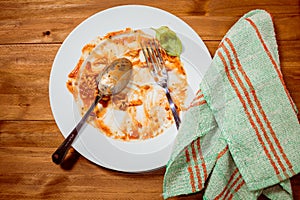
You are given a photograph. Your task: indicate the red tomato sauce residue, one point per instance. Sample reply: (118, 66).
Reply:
(146, 111)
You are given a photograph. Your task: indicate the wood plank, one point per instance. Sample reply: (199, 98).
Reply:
(215, 27)
(235, 8)
(25, 107)
(29, 134)
(25, 69)
(56, 30)
(38, 177)
(30, 9)
(26, 22)
(24, 81)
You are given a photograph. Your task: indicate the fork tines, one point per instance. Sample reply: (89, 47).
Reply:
(152, 53)
(155, 62)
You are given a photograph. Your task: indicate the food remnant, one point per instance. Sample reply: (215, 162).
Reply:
(169, 40)
(141, 111)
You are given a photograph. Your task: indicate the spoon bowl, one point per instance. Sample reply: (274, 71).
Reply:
(114, 77)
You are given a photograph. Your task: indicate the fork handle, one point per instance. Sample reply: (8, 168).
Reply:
(173, 109)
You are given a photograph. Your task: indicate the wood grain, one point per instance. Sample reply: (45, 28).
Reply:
(209, 28)
(31, 32)
(52, 21)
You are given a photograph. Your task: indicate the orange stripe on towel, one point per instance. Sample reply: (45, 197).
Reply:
(228, 184)
(222, 152)
(202, 159)
(265, 119)
(198, 100)
(196, 165)
(250, 103)
(232, 186)
(238, 187)
(273, 62)
(231, 81)
(198, 103)
(190, 170)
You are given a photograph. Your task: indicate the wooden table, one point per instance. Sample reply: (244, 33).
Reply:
(31, 32)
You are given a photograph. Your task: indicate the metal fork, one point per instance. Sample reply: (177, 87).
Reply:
(158, 70)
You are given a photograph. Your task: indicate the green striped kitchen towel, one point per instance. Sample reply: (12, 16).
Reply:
(239, 139)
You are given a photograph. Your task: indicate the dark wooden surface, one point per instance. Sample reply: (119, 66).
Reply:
(31, 32)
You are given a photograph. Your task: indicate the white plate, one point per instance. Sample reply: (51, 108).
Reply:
(116, 155)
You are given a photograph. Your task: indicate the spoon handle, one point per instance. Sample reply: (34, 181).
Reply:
(60, 153)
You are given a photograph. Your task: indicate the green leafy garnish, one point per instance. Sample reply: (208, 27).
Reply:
(169, 41)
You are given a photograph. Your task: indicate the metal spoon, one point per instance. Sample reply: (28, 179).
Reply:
(112, 80)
